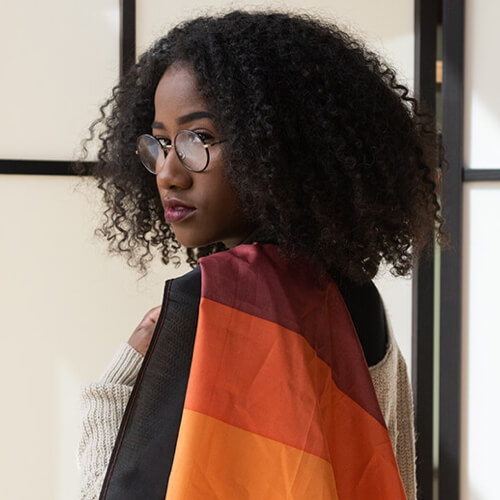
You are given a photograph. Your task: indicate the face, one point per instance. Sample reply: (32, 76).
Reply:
(201, 207)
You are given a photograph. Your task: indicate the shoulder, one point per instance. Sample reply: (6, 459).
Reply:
(390, 380)
(186, 288)
(386, 368)
(367, 312)
(394, 394)
(189, 283)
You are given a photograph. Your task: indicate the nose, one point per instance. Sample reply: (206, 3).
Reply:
(172, 174)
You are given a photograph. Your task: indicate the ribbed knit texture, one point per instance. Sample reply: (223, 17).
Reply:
(103, 405)
(124, 367)
(394, 395)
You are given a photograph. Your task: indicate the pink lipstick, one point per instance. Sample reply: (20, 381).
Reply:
(176, 210)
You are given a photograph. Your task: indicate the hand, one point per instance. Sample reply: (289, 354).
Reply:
(142, 335)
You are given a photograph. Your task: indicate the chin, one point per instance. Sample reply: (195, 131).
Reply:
(197, 241)
(189, 242)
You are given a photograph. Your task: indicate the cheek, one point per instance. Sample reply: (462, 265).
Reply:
(225, 200)
(223, 210)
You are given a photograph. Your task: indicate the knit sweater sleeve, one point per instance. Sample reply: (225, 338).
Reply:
(102, 405)
(392, 386)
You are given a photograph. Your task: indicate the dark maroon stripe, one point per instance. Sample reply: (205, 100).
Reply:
(255, 279)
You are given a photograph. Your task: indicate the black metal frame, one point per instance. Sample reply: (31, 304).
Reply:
(127, 35)
(426, 20)
(36, 167)
(480, 174)
(127, 59)
(450, 309)
(451, 259)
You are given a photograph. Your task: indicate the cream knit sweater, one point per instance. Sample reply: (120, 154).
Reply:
(103, 405)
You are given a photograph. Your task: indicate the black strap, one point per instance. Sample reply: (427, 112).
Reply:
(368, 315)
(142, 458)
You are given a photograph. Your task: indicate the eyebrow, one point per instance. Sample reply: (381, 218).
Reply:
(185, 119)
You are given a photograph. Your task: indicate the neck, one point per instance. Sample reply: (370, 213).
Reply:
(250, 237)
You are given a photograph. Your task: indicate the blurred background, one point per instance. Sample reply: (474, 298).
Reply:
(66, 304)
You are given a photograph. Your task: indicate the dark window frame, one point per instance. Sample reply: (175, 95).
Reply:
(126, 60)
(423, 334)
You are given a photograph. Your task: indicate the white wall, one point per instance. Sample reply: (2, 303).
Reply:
(482, 99)
(64, 309)
(65, 304)
(387, 25)
(481, 273)
(59, 58)
(481, 342)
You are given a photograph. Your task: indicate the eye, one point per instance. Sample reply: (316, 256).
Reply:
(163, 141)
(204, 135)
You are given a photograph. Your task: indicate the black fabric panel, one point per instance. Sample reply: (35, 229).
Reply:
(368, 315)
(142, 459)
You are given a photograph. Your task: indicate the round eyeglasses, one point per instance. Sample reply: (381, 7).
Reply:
(189, 146)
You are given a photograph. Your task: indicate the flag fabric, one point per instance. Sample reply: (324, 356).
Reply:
(279, 402)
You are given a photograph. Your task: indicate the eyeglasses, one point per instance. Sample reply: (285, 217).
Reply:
(189, 146)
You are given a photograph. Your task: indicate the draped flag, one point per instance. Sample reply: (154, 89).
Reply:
(279, 401)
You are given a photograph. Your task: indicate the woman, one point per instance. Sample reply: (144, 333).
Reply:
(289, 162)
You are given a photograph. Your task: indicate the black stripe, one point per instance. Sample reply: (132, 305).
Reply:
(142, 458)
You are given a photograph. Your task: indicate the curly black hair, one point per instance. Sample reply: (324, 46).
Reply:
(327, 149)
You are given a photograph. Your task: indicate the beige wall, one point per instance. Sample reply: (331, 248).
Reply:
(65, 304)
(65, 307)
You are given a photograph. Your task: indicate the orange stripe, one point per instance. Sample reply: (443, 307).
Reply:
(214, 460)
(289, 396)
(254, 357)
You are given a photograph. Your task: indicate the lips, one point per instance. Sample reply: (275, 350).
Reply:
(176, 210)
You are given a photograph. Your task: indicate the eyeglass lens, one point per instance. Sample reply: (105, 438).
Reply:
(188, 145)
(191, 150)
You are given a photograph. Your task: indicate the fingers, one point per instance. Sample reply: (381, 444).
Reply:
(141, 337)
(151, 316)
